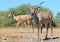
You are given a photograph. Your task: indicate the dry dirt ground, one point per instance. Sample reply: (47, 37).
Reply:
(27, 33)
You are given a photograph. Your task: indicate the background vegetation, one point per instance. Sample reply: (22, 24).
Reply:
(23, 9)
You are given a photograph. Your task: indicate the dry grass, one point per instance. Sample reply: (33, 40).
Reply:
(25, 32)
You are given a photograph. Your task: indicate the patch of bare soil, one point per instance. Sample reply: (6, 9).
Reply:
(27, 33)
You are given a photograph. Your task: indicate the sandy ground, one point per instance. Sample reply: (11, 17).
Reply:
(27, 33)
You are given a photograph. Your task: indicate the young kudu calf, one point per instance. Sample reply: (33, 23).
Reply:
(26, 19)
(42, 18)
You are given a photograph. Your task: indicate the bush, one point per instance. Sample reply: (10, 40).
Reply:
(23, 9)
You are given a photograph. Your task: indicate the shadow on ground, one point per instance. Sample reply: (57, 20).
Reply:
(51, 38)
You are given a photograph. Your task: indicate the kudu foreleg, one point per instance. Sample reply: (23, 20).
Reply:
(32, 25)
(17, 24)
(38, 33)
(51, 30)
(41, 29)
(46, 31)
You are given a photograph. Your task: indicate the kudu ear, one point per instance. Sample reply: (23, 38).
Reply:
(37, 9)
(30, 7)
(11, 12)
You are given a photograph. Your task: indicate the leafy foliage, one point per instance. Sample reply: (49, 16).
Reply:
(23, 9)
(58, 16)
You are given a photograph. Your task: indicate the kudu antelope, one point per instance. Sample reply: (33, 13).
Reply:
(42, 18)
(22, 19)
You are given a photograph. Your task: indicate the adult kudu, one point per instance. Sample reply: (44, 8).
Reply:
(25, 19)
(42, 19)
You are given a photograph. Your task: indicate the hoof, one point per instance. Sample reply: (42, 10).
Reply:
(4, 38)
(46, 38)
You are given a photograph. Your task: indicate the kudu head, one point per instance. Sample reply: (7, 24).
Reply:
(31, 10)
(36, 9)
(10, 15)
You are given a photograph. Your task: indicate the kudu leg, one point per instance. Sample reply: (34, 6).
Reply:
(28, 25)
(46, 32)
(17, 24)
(38, 34)
(32, 26)
(25, 24)
(41, 29)
(50, 22)
(51, 30)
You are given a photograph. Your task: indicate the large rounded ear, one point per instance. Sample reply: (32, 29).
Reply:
(39, 8)
(30, 7)
(9, 15)
(11, 12)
